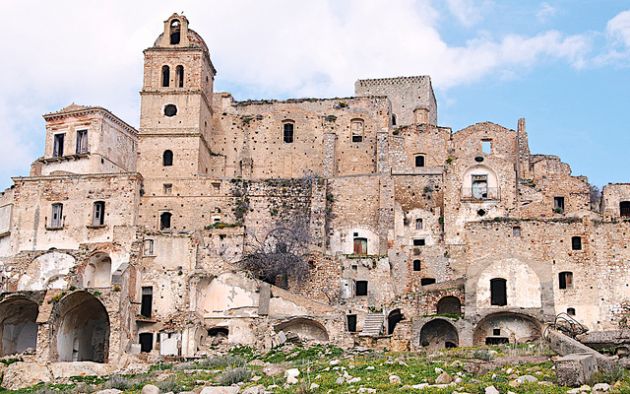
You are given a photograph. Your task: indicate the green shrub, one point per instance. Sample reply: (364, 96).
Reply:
(119, 382)
(221, 362)
(235, 375)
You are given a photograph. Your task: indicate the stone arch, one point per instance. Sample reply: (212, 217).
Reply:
(304, 328)
(80, 329)
(43, 268)
(506, 327)
(393, 318)
(449, 305)
(18, 325)
(439, 333)
(480, 182)
(98, 271)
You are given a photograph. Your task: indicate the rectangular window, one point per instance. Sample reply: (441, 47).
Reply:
(419, 161)
(357, 138)
(58, 144)
(82, 141)
(148, 247)
(168, 188)
(419, 224)
(565, 280)
(352, 323)
(486, 146)
(498, 292)
(147, 301)
(516, 231)
(576, 243)
(558, 204)
(417, 265)
(360, 246)
(288, 133)
(480, 187)
(56, 220)
(418, 242)
(362, 288)
(98, 216)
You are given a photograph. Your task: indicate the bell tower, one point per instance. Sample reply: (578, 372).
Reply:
(176, 104)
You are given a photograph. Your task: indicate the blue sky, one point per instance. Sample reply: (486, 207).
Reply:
(563, 65)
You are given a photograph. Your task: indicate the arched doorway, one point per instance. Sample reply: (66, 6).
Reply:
(18, 327)
(98, 271)
(449, 306)
(506, 327)
(80, 329)
(392, 320)
(304, 328)
(439, 333)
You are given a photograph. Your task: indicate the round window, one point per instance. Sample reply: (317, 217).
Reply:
(170, 110)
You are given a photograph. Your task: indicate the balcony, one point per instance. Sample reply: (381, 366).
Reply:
(479, 194)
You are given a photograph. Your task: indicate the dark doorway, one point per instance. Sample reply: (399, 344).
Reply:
(449, 306)
(147, 301)
(498, 291)
(392, 320)
(146, 342)
(352, 323)
(497, 340)
(362, 287)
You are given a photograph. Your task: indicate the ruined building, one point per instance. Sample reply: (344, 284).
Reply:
(354, 221)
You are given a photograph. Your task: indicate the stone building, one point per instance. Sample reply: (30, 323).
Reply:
(125, 244)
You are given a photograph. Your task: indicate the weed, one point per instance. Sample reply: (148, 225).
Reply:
(235, 375)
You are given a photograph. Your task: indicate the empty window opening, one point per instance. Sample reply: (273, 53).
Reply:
(360, 246)
(170, 110)
(449, 305)
(419, 224)
(418, 242)
(393, 318)
(288, 133)
(558, 204)
(357, 130)
(393, 119)
(481, 212)
(179, 74)
(624, 209)
(218, 332)
(565, 280)
(18, 326)
(56, 219)
(516, 231)
(167, 158)
(427, 281)
(496, 331)
(420, 161)
(146, 306)
(498, 291)
(175, 32)
(166, 76)
(165, 221)
(58, 144)
(168, 188)
(351, 321)
(362, 288)
(281, 247)
(571, 311)
(82, 141)
(417, 265)
(486, 146)
(576, 243)
(148, 247)
(480, 186)
(98, 214)
(146, 342)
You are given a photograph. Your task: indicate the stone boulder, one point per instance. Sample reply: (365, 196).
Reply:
(150, 389)
(220, 390)
(21, 375)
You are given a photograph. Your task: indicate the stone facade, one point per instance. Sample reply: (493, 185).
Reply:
(411, 234)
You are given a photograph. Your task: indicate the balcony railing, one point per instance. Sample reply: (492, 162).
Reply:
(481, 194)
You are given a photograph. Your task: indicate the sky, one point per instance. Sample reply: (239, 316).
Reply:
(563, 65)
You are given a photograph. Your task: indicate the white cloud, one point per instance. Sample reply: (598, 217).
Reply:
(91, 53)
(467, 12)
(545, 11)
(618, 41)
(618, 28)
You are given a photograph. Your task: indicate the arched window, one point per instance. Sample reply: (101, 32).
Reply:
(419, 160)
(166, 76)
(571, 311)
(179, 73)
(165, 221)
(287, 129)
(498, 291)
(624, 209)
(167, 158)
(175, 32)
(357, 130)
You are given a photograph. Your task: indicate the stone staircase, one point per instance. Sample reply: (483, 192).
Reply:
(373, 325)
